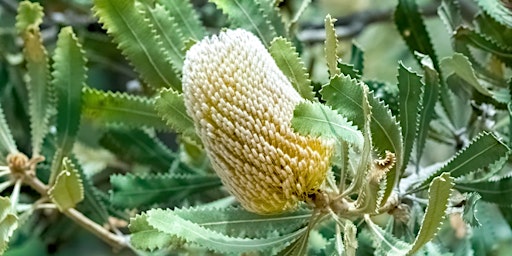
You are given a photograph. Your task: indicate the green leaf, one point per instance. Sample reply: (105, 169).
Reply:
(170, 223)
(186, 18)
(8, 223)
(348, 69)
(461, 66)
(487, 25)
(297, 13)
(469, 36)
(271, 11)
(470, 209)
(484, 150)
(345, 95)
(167, 34)
(107, 108)
(288, 60)
(410, 90)
(385, 243)
(170, 105)
(131, 191)
(357, 58)
(498, 192)
(7, 144)
(68, 189)
(430, 97)
(318, 120)
(498, 10)
(139, 147)
(144, 237)
(40, 93)
(249, 16)
(126, 24)
(449, 12)
(438, 195)
(409, 23)
(331, 45)
(69, 75)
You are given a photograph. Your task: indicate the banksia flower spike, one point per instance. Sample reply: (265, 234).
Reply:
(242, 106)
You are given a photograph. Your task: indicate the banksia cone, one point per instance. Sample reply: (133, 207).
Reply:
(242, 106)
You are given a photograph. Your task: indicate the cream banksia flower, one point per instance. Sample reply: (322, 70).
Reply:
(242, 106)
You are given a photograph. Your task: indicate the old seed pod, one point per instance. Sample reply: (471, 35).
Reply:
(242, 106)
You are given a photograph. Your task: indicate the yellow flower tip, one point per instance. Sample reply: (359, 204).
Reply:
(242, 106)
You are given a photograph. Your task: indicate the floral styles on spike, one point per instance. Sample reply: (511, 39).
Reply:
(242, 106)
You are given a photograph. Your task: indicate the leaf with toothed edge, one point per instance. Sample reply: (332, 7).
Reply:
(498, 10)
(449, 13)
(273, 14)
(126, 24)
(166, 33)
(186, 18)
(385, 243)
(438, 195)
(470, 209)
(7, 144)
(484, 150)
(460, 65)
(8, 222)
(130, 191)
(68, 189)
(469, 36)
(487, 25)
(144, 237)
(494, 191)
(318, 120)
(288, 60)
(40, 93)
(331, 45)
(107, 108)
(410, 90)
(357, 58)
(248, 15)
(345, 95)
(169, 223)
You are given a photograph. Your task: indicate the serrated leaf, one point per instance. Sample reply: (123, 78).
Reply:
(8, 223)
(130, 191)
(481, 152)
(498, 10)
(69, 76)
(410, 90)
(385, 243)
(139, 147)
(170, 105)
(429, 100)
(409, 23)
(461, 66)
(318, 120)
(331, 45)
(357, 58)
(487, 25)
(38, 71)
(498, 192)
(345, 95)
(7, 144)
(271, 11)
(167, 34)
(470, 209)
(449, 12)
(107, 108)
(249, 16)
(186, 18)
(124, 22)
(145, 237)
(169, 223)
(238, 222)
(469, 36)
(298, 13)
(288, 60)
(348, 70)
(68, 189)
(438, 195)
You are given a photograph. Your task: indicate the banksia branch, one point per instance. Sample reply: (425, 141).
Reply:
(242, 106)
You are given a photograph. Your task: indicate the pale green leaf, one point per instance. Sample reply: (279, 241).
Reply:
(449, 13)
(410, 90)
(498, 192)
(130, 191)
(471, 37)
(470, 209)
(385, 243)
(249, 16)
(271, 11)
(461, 66)
(484, 150)
(438, 195)
(298, 13)
(288, 60)
(40, 93)
(170, 105)
(346, 96)
(331, 45)
(68, 189)
(145, 237)
(498, 10)
(167, 34)
(172, 224)
(7, 144)
(107, 108)
(318, 120)
(124, 22)
(8, 223)
(186, 18)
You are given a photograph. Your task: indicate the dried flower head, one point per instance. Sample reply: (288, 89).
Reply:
(242, 106)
